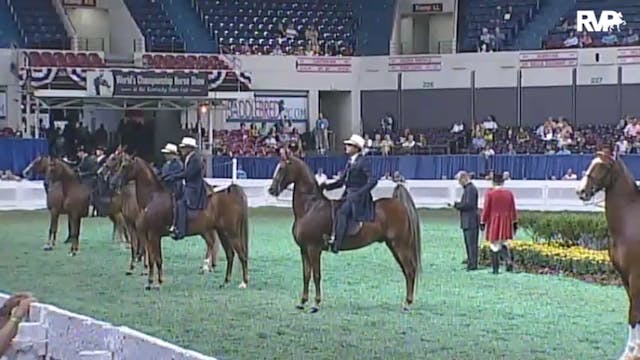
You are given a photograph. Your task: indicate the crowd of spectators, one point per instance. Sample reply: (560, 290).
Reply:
(258, 140)
(493, 37)
(565, 35)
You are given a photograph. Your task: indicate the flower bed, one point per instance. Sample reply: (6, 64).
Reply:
(575, 261)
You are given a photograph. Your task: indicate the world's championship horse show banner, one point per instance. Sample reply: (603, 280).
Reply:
(129, 83)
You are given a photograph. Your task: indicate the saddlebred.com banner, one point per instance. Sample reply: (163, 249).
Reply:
(120, 83)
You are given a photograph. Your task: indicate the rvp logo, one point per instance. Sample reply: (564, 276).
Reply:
(609, 20)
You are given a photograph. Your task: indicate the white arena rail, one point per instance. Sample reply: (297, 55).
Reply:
(56, 334)
(546, 195)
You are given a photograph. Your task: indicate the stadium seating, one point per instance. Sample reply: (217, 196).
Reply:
(65, 59)
(485, 14)
(629, 8)
(39, 25)
(256, 24)
(171, 61)
(159, 31)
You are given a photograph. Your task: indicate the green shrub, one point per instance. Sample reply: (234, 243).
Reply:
(567, 229)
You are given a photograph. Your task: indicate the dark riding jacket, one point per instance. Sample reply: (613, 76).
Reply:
(88, 169)
(358, 182)
(194, 187)
(169, 175)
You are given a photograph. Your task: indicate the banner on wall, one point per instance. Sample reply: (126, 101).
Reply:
(132, 83)
(269, 108)
(549, 59)
(89, 3)
(323, 64)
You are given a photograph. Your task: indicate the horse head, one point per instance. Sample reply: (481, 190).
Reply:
(108, 169)
(58, 169)
(288, 171)
(123, 169)
(598, 176)
(39, 165)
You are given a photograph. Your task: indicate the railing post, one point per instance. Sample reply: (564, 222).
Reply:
(234, 170)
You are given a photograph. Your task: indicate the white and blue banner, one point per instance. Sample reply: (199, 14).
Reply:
(269, 108)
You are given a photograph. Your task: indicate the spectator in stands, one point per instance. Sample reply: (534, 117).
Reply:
(240, 173)
(506, 176)
(511, 150)
(570, 175)
(409, 144)
(631, 38)
(386, 123)
(457, 127)
(508, 14)
(610, 39)
(321, 133)
(12, 312)
(523, 136)
(490, 123)
(488, 151)
(585, 39)
(311, 35)
(397, 177)
(386, 145)
(571, 41)
(563, 151)
(498, 39)
(485, 41)
(622, 146)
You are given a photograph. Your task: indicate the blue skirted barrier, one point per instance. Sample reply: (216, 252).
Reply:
(529, 167)
(16, 154)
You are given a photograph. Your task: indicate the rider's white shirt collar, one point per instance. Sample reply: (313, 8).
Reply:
(353, 158)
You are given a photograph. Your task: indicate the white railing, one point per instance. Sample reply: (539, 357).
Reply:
(530, 194)
(53, 333)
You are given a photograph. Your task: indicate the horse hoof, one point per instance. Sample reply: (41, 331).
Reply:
(147, 287)
(314, 309)
(223, 285)
(155, 287)
(72, 254)
(47, 247)
(405, 308)
(300, 306)
(129, 273)
(243, 285)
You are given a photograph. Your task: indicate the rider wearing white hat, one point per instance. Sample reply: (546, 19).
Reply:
(171, 168)
(195, 195)
(358, 181)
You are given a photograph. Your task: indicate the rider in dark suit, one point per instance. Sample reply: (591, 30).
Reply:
(358, 181)
(195, 194)
(469, 218)
(172, 167)
(88, 173)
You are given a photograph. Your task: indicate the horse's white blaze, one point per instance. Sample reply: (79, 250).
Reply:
(585, 178)
(276, 170)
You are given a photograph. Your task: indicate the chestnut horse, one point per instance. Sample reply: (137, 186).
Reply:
(40, 165)
(67, 195)
(128, 206)
(622, 208)
(396, 224)
(226, 216)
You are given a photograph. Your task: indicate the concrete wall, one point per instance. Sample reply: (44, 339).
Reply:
(125, 33)
(56, 334)
(92, 28)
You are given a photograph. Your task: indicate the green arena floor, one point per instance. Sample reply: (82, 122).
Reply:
(457, 315)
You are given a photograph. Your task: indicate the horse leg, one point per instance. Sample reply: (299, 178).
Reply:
(53, 231)
(244, 261)
(74, 234)
(210, 240)
(150, 255)
(314, 260)
(632, 350)
(408, 269)
(230, 254)
(306, 276)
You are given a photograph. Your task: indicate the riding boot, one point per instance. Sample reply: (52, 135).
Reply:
(180, 220)
(495, 262)
(508, 257)
(340, 230)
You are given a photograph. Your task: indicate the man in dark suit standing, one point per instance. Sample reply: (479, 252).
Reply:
(469, 218)
(358, 182)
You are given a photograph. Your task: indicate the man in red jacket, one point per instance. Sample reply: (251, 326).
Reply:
(499, 222)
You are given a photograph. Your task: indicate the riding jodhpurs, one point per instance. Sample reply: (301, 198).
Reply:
(341, 223)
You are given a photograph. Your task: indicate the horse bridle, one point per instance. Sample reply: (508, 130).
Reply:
(604, 184)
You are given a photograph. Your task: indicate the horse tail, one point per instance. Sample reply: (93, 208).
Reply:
(401, 193)
(239, 193)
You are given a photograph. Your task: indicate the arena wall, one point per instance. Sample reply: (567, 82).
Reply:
(553, 195)
(56, 334)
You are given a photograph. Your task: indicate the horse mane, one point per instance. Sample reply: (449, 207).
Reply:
(147, 167)
(65, 167)
(308, 174)
(626, 172)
